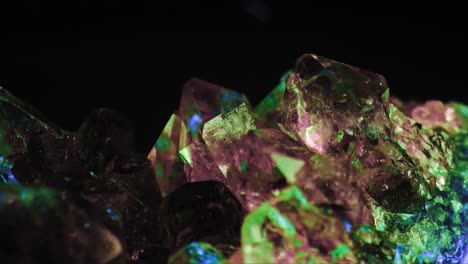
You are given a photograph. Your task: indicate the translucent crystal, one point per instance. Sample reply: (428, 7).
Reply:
(330, 168)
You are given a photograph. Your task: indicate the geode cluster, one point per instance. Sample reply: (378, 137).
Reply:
(328, 168)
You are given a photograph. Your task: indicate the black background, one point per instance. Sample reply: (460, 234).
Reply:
(70, 58)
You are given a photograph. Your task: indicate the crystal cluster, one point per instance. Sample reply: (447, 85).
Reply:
(328, 168)
(74, 197)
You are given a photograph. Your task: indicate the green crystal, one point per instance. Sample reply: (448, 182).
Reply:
(288, 166)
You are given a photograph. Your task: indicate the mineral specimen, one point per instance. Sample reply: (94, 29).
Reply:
(328, 168)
